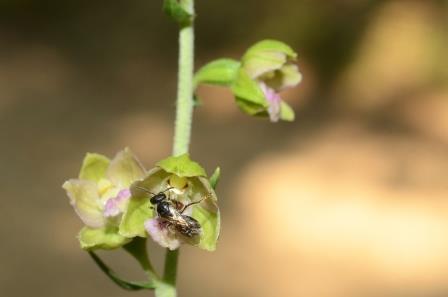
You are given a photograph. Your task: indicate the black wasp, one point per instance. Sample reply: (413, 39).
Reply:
(171, 212)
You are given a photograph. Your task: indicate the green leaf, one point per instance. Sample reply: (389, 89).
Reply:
(214, 179)
(182, 166)
(127, 285)
(94, 167)
(246, 89)
(286, 112)
(106, 238)
(177, 12)
(219, 72)
(132, 223)
(125, 169)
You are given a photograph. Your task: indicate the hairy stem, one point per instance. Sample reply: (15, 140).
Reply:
(182, 132)
(184, 111)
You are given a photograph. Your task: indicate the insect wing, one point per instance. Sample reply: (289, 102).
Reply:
(189, 226)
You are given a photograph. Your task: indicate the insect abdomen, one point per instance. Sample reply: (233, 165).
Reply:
(192, 227)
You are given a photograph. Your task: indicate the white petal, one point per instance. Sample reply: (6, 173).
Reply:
(125, 169)
(84, 198)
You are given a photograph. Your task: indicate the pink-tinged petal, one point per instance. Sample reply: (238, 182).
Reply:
(85, 200)
(159, 232)
(117, 205)
(274, 101)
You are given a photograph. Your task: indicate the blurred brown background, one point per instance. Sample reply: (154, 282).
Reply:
(349, 200)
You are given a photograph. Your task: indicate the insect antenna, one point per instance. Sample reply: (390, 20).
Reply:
(147, 191)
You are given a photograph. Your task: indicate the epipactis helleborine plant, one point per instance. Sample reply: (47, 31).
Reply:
(113, 197)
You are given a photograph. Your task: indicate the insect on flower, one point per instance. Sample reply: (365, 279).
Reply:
(170, 212)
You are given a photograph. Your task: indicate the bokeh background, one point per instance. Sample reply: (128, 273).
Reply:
(349, 200)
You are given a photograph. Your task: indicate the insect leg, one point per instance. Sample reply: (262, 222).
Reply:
(190, 204)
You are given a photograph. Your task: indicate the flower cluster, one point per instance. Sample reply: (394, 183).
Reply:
(112, 198)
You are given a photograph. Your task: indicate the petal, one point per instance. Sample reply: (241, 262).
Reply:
(266, 56)
(125, 169)
(94, 167)
(139, 207)
(160, 234)
(287, 77)
(248, 95)
(103, 238)
(84, 198)
(206, 213)
(181, 166)
(117, 205)
(257, 64)
(290, 76)
(286, 112)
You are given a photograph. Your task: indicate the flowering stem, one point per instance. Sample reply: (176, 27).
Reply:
(184, 112)
(171, 266)
(182, 132)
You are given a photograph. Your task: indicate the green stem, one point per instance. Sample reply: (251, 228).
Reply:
(137, 248)
(182, 132)
(171, 258)
(184, 112)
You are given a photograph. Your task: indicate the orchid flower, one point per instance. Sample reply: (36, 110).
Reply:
(100, 196)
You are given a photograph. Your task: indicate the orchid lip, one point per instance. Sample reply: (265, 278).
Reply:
(159, 232)
(115, 206)
(274, 101)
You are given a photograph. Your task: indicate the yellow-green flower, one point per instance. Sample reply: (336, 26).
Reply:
(270, 64)
(184, 181)
(101, 194)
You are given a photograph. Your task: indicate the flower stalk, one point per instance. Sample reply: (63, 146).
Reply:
(182, 132)
(184, 111)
